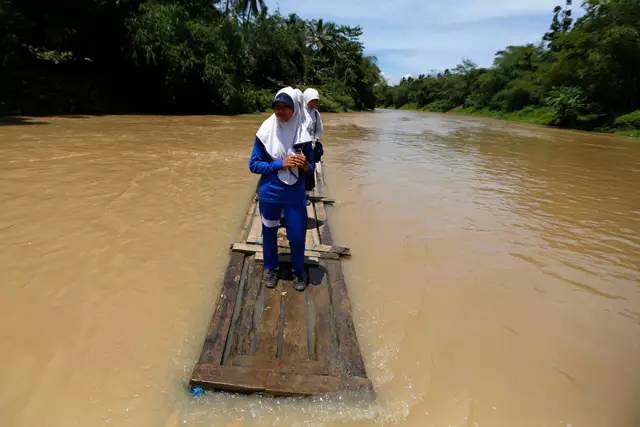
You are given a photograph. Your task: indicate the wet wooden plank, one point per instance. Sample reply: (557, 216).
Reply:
(323, 341)
(247, 326)
(318, 198)
(250, 380)
(308, 237)
(320, 172)
(247, 269)
(230, 378)
(286, 258)
(247, 224)
(323, 225)
(312, 228)
(294, 334)
(270, 325)
(248, 248)
(283, 384)
(339, 250)
(255, 231)
(320, 179)
(314, 367)
(215, 340)
(348, 346)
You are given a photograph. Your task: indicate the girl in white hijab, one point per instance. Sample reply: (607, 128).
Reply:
(300, 98)
(313, 124)
(312, 115)
(283, 156)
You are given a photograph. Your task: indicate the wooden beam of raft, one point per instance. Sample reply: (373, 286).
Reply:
(280, 341)
(320, 251)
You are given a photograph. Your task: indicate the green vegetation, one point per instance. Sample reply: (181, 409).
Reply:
(544, 116)
(629, 124)
(172, 56)
(584, 74)
(629, 121)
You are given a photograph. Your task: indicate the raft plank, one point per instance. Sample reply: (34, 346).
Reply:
(301, 367)
(320, 181)
(286, 258)
(246, 327)
(247, 224)
(283, 384)
(340, 250)
(294, 334)
(255, 233)
(321, 199)
(280, 384)
(249, 249)
(221, 321)
(247, 269)
(268, 331)
(348, 341)
(312, 227)
(323, 341)
(230, 378)
(320, 174)
(323, 226)
(308, 237)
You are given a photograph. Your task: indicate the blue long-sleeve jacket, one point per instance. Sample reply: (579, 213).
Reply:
(270, 188)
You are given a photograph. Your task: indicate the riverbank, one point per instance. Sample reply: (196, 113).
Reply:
(541, 116)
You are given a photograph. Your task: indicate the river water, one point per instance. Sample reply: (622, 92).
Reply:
(495, 275)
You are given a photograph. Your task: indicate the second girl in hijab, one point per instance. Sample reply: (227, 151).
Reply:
(313, 123)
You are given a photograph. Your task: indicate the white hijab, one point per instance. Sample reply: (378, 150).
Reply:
(279, 137)
(300, 97)
(312, 120)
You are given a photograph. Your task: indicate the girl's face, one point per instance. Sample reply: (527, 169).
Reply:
(313, 104)
(282, 111)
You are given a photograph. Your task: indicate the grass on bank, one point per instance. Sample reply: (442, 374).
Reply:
(543, 116)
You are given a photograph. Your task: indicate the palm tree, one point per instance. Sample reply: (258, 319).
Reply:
(322, 37)
(250, 7)
(325, 42)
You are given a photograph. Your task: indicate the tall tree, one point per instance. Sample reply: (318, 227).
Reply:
(251, 7)
(561, 23)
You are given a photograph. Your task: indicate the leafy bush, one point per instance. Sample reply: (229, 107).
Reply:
(335, 97)
(400, 96)
(440, 106)
(517, 95)
(258, 100)
(545, 116)
(568, 103)
(629, 121)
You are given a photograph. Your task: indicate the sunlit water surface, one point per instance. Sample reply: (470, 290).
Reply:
(495, 275)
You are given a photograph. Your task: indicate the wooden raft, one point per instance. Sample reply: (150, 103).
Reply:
(280, 341)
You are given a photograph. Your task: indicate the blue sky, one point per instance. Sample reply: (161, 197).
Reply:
(415, 37)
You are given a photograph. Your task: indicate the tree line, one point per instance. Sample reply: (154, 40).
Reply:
(173, 56)
(585, 73)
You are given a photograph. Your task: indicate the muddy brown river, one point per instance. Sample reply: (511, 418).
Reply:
(495, 276)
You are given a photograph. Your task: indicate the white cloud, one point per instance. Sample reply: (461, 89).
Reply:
(389, 78)
(413, 36)
(414, 11)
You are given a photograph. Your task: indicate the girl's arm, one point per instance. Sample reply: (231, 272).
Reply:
(260, 162)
